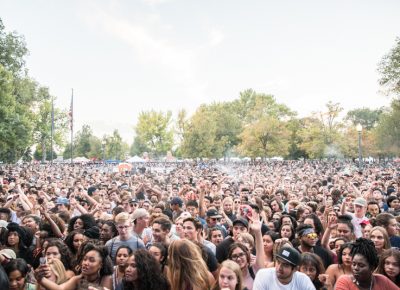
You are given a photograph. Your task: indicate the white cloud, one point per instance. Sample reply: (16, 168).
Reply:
(145, 34)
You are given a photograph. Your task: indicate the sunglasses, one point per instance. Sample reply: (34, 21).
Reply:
(312, 236)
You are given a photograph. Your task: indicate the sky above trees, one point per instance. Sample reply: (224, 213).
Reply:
(124, 57)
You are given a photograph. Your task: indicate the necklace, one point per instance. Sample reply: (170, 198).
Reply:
(358, 283)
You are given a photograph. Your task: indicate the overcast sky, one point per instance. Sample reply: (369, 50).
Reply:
(123, 57)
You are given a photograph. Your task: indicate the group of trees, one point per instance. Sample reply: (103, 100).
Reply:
(256, 125)
(25, 106)
(253, 125)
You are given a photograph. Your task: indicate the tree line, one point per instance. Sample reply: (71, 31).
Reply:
(253, 125)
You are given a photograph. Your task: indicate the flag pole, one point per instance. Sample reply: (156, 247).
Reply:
(52, 129)
(72, 125)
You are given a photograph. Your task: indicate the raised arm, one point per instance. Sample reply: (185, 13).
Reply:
(255, 227)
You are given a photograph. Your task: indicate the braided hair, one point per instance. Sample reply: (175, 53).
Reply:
(366, 248)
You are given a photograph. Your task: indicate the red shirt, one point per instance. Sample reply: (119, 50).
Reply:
(381, 282)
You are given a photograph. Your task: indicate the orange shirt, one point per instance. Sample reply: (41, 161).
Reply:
(380, 283)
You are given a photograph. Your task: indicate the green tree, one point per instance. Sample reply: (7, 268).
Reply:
(38, 154)
(312, 137)
(266, 137)
(12, 51)
(388, 130)
(154, 133)
(389, 69)
(115, 147)
(252, 106)
(200, 135)
(43, 124)
(321, 133)
(366, 117)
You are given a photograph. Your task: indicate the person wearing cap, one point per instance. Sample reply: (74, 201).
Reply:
(360, 209)
(285, 274)
(62, 204)
(141, 229)
(213, 217)
(6, 255)
(240, 225)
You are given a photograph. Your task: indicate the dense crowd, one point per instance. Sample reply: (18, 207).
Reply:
(196, 226)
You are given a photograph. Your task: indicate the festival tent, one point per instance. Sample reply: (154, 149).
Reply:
(81, 160)
(135, 159)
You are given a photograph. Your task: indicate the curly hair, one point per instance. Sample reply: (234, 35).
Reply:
(149, 276)
(66, 256)
(87, 219)
(366, 248)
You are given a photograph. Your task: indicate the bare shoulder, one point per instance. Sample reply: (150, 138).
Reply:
(333, 268)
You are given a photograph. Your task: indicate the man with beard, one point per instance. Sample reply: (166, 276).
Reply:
(308, 243)
(285, 274)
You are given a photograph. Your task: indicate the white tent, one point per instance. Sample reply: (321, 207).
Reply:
(80, 160)
(135, 159)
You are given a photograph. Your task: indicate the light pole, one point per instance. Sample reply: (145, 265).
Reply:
(103, 149)
(359, 130)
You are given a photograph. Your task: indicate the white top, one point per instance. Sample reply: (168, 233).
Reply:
(266, 280)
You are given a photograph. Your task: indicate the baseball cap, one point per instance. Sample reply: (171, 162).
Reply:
(360, 201)
(213, 213)
(62, 200)
(3, 224)
(241, 221)
(8, 253)
(140, 212)
(290, 255)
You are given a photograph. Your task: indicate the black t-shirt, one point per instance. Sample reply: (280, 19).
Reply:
(210, 259)
(223, 249)
(323, 254)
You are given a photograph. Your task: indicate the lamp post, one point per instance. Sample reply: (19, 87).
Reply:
(103, 149)
(359, 130)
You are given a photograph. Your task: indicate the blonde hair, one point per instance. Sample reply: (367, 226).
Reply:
(186, 266)
(246, 238)
(233, 266)
(227, 199)
(59, 271)
(122, 217)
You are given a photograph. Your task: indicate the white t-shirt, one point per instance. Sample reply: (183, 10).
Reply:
(357, 224)
(266, 280)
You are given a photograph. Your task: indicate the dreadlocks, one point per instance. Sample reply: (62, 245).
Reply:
(366, 248)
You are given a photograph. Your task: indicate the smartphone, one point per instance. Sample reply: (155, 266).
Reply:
(42, 260)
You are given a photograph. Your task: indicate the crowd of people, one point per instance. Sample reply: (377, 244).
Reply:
(189, 226)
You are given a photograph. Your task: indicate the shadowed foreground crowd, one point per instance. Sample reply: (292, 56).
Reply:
(279, 225)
